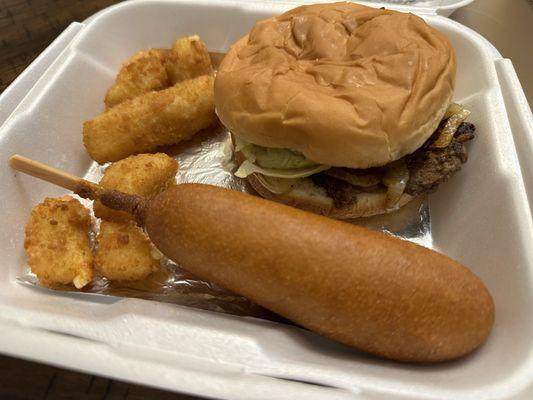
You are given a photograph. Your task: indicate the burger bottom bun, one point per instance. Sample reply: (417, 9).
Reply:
(308, 196)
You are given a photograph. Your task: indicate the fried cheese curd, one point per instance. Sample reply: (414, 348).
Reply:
(57, 242)
(188, 59)
(144, 72)
(124, 252)
(155, 119)
(157, 69)
(143, 174)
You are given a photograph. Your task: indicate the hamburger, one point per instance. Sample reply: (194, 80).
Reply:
(342, 109)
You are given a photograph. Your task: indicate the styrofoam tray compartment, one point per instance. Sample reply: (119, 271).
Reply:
(482, 218)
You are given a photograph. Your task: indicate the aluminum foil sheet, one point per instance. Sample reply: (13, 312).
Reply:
(207, 158)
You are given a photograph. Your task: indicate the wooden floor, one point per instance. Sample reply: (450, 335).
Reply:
(22, 380)
(28, 26)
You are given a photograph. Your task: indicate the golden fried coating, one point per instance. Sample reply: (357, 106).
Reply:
(144, 72)
(158, 69)
(124, 252)
(188, 59)
(143, 174)
(151, 120)
(57, 242)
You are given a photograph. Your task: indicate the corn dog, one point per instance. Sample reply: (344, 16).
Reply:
(124, 252)
(154, 119)
(57, 242)
(144, 72)
(366, 289)
(142, 174)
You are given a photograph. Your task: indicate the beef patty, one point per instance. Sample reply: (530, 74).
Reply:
(428, 167)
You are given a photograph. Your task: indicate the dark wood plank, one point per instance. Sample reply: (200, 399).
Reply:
(24, 380)
(28, 26)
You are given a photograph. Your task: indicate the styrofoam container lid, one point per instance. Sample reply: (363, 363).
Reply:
(482, 218)
(440, 7)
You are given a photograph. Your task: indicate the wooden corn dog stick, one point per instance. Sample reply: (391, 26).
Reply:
(86, 189)
(46, 172)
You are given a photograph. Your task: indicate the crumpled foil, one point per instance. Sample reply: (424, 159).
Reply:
(207, 158)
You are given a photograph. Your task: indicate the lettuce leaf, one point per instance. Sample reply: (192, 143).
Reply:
(275, 163)
(248, 168)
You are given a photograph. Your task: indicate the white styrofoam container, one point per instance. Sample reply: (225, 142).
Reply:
(440, 7)
(482, 218)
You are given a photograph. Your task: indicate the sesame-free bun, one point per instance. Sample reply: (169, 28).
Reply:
(346, 85)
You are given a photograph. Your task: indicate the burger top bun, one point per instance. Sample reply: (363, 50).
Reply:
(346, 85)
